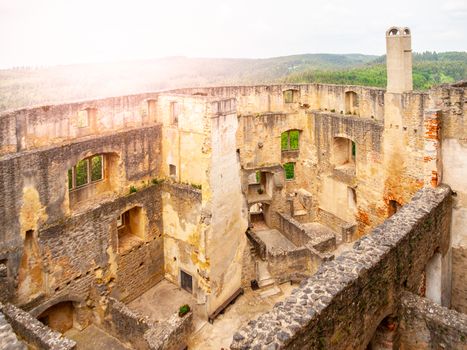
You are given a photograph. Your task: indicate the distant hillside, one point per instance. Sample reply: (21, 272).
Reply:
(32, 86)
(429, 69)
(29, 86)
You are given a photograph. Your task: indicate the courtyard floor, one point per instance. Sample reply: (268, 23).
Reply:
(248, 306)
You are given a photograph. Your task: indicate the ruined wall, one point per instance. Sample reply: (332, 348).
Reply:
(33, 332)
(36, 127)
(450, 101)
(37, 200)
(405, 154)
(139, 332)
(259, 143)
(270, 98)
(227, 221)
(427, 325)
(364, 177)
(183, 137)
(182, 232)
(341, 306)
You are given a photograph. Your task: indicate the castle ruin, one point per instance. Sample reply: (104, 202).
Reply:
(356, 195)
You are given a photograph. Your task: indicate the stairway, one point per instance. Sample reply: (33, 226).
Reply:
(266, 283)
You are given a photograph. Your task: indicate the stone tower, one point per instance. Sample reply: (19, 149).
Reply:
(399, 59)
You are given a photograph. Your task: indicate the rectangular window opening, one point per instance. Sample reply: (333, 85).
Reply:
(186, 281)
(290, 140)
(289, 169)
(288, 96)
(86, 171)
(174, 112)
(172, 170)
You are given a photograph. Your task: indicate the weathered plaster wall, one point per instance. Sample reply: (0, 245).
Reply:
(182, 142)
(341, 306)
(227, 223)
(183, 239)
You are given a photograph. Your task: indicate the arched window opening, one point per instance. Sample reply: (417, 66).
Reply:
(393, 31)
(344, 152)
(130, 228)
(351, 103)
(406, 31)
(290, 96)
(385, 335)
(59, 317)
(290, 140)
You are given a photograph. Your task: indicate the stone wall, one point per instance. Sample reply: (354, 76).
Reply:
(341, 306)
(38, 200)
(427, 325)
(300, 235)
(172, 335)
(36, 127)
(140, 333)
(270, 98)
(450, 101)
(33, 332)
(293, 265)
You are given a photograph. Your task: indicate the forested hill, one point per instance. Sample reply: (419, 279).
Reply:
(31, 86)
(429, 69)
(24, 86)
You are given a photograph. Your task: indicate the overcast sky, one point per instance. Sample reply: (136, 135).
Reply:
(48, 32)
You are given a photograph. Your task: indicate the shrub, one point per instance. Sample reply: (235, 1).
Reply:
(133, 189)
(157, 181)
(183, 310)
(260, 191)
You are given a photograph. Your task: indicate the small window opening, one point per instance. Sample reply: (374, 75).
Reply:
(344, 152)
(351, 103)
(186, 281)
(172, 170)
(352, 197)
(130, 228)
(290, 96)
(289, 169)
(290, 140)
(393, 207)
(151, 109)
(354, 151)
(174, 112)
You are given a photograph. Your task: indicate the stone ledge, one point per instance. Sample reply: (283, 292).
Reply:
(34, 332)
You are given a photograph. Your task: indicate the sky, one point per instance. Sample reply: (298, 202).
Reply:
(51, 32)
